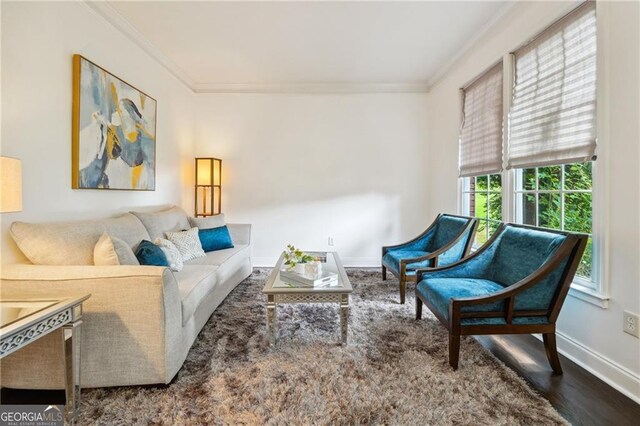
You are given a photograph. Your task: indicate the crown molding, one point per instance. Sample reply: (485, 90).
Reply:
(115, 18)
(311, 88)
(118, 21)
(473, 42)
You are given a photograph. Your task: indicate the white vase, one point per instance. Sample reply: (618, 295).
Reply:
(313, 269)
(299, 268)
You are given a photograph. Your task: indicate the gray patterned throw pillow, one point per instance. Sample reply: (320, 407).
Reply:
(188, 243)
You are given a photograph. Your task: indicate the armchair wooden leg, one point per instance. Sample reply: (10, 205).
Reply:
(552, 351)
(454, 351)
(384, 273)
(418, 308)
(403, 291)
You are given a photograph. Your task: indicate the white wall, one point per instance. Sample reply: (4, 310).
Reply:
(589, 334)
(302, 168)
(38, 41)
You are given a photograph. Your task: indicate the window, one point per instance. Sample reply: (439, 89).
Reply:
(548, 160)
(482, 198)
(558, 197)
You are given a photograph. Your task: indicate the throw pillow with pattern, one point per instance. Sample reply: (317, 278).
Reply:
(187, 243)
(174, 257)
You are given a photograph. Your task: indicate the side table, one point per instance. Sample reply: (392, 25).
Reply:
(25, 320)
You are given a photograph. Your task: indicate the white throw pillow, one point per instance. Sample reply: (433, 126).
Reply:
(174, 257)
(188, 243)
(113, 251)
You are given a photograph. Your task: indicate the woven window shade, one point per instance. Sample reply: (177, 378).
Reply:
(481, 131)
(553, 113)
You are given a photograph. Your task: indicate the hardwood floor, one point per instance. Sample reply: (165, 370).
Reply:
(579, 397)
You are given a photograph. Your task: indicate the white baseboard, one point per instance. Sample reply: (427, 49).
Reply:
(349, 262)
(613, 374)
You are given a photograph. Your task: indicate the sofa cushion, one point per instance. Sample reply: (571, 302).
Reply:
(128, 228)
(218, 257)
(392, 259)
(72, 243)
(195, 282)
(157, 223)
(207, 222)
(150, 254)
(215, 238)
(440, 291)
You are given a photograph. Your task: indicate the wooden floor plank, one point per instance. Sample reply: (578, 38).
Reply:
(579, 396)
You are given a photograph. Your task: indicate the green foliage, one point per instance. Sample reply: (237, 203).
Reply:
(488, 206)
(293, 255)
(577, 205)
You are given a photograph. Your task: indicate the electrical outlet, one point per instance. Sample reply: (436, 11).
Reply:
(631, 323)
(330, 242)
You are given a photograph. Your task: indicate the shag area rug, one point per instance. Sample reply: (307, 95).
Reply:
(394, 371)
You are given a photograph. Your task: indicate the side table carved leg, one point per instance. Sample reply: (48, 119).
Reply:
(71, 345)
(344, 317)
(271, 319)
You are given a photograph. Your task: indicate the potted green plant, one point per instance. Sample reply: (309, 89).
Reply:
(296, 259)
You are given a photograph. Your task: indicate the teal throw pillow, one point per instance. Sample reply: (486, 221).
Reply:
(148, 253)
(215, 238)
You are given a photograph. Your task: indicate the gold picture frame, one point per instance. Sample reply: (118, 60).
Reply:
(113, 131)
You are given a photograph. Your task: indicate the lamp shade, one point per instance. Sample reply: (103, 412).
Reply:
(10, 185)
(208, 188)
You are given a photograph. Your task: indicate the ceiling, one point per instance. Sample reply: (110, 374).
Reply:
(243, 46)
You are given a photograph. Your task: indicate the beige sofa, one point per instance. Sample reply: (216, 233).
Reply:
(139, 322)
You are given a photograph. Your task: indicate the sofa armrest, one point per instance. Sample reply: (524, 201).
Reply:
(133, 315)
(240, 233)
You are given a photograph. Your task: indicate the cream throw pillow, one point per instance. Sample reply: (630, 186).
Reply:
(174, 257)
(188, 243)
(113, 251)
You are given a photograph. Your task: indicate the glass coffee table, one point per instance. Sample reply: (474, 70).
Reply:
(279, 290)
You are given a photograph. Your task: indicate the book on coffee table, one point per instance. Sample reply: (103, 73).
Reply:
(325, 279)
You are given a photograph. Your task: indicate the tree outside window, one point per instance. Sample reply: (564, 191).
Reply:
(558, 197)
(482, 198)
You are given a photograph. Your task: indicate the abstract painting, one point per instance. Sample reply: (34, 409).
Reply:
(114, 131)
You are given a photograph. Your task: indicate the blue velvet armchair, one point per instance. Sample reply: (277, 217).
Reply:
(447, 240)
(515, 284)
